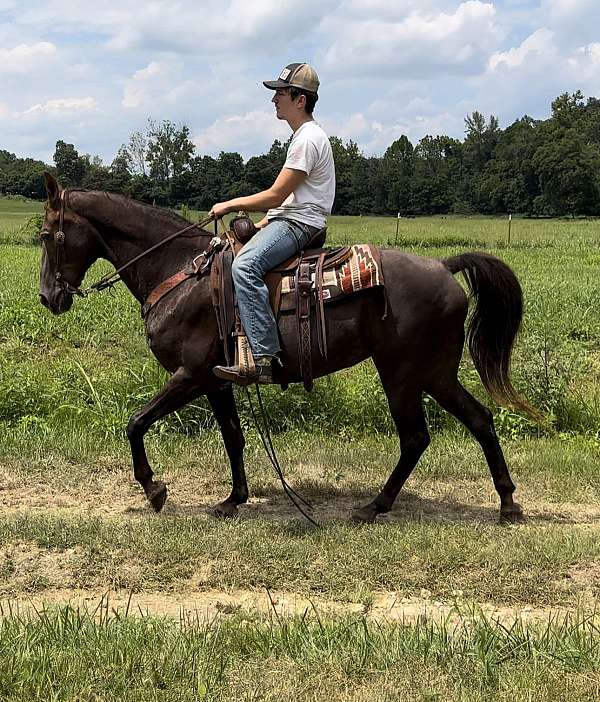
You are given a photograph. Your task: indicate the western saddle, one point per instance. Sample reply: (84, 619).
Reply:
(305, 267)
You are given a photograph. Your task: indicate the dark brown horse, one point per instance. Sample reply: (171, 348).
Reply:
(416, 347)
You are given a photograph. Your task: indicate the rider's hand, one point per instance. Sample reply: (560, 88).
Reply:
(220, 209)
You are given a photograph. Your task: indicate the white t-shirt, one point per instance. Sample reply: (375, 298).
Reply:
(311, 202)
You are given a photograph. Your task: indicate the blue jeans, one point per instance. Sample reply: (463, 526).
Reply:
(273, 244)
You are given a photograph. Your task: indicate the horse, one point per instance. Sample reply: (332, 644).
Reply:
(416, 346)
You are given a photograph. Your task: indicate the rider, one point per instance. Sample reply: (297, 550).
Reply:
(297, 206)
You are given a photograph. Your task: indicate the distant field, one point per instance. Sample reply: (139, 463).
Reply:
(267, 607)
(14, 215)
(408, 232)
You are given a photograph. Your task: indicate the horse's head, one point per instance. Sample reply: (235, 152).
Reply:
(70, 244)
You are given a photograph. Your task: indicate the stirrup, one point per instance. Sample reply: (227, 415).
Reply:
(262, 374)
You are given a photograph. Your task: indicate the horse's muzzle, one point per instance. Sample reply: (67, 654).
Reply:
(59, 303)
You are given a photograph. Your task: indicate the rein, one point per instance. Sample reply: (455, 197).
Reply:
(110, 279)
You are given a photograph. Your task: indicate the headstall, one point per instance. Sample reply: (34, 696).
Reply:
(110, 279)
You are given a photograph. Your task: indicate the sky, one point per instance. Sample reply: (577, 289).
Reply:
(91, 74)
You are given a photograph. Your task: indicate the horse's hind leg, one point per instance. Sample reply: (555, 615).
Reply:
(479, 421)
(407, 411)
(180, 389)
(223, 406)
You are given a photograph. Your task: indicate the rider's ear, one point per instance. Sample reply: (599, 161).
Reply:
(53, 190)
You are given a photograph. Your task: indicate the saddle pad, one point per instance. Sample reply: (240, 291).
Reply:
(361, 271)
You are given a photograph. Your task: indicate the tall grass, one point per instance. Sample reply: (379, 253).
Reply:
(74, 654)
(91, 368)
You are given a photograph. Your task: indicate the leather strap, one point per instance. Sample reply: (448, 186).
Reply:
(321, 329)
(164, 288)
(303, 294)
(222, 298)
(192, 271)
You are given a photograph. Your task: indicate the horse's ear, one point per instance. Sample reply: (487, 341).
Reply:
(52, 190)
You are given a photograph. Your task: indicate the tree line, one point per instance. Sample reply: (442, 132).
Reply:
(533, 167)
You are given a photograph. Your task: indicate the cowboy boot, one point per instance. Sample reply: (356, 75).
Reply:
(261, 373)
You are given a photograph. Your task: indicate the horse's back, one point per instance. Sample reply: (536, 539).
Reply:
(421, 285)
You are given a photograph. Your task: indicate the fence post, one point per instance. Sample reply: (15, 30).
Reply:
(397, 227)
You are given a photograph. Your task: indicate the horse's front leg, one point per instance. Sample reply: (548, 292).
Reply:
(225, 411)
(180, 389)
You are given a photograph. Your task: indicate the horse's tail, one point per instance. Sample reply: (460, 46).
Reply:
(494, 322)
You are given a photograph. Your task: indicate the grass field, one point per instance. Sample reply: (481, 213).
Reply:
(436, 602)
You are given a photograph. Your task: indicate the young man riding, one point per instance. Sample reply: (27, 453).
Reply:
(297, 206)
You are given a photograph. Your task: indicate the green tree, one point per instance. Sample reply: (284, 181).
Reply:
(204, 182)
(70, 166)
(22, 176)
(397, 169)
(480, 141)
(137, 151)
(510, 181)
(437, 169)
(567, 169)
(169, 150)
(568, 108)
(346, 158)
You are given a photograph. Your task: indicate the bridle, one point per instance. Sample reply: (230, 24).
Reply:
(107, 281)
(59, 247)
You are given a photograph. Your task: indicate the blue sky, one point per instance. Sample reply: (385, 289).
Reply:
(90, 74)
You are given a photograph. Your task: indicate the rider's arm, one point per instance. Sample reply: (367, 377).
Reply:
(285, 184)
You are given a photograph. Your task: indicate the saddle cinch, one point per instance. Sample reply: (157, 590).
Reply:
(302, 284)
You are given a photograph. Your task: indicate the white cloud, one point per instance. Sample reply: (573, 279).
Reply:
(588, 56)
(157, 84)
(26, 57)
(584, 63)
(62, 107)
(576, 22)
(420, 44)
(538, 44)
(250, 134)
(212, 26)
(387, 67)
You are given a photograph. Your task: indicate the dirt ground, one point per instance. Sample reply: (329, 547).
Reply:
(110, 493)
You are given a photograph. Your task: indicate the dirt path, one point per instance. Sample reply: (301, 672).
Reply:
(206, 605)
(113, 493)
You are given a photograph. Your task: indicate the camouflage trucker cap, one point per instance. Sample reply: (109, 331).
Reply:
(297, 75)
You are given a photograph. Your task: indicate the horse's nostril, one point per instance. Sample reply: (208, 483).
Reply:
(44, 300)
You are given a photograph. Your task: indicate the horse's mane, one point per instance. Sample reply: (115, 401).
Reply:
(160, 216)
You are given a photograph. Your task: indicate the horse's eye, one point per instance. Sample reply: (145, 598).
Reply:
(44, 235)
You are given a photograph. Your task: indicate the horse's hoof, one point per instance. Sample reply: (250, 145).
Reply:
(225, 510)
(157, 496)
(364, 515)
(512, 515)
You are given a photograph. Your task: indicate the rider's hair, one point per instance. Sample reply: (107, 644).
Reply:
(311, 98)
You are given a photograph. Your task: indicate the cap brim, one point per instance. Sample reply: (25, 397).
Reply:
(274, 84)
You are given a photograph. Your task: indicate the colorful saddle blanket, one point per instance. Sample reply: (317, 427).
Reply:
(360, 271)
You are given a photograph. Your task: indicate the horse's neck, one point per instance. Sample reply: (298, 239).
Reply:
(128, 229)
